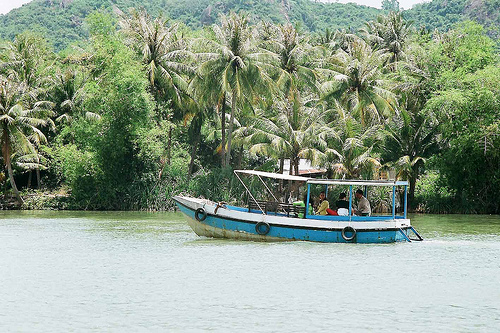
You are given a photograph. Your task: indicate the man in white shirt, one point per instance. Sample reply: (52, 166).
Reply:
(363, 208)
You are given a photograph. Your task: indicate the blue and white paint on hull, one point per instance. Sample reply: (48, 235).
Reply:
(237, 223)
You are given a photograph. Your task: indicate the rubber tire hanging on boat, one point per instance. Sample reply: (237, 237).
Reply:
(203, 214)
(266, 225)
(348, 229)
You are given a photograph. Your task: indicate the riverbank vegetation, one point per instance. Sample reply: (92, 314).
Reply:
(148, 108)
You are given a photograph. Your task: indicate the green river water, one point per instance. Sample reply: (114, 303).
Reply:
(129, 272)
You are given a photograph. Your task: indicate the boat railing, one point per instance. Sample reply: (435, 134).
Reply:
(275, 207)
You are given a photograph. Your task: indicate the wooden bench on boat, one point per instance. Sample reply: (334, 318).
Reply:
(276, 207)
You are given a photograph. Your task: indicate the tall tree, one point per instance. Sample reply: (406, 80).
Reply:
(19, 126)
(412, 138)
(163, 51)
(390, 5)
(26, 60)
(68, 94)
(351, 153)
(294, 56)
(295, 132)
(413, 135)
(389, 33)
(235, 68)
(354, 78)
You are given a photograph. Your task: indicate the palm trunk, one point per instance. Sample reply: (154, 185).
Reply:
(411, 191)
(8, 164)
(297, 161)
(38, 179)
(240, 158)
(30, 175)
(282, 165)
(230, 132)
(169, 145)
(193, 151)
(223, 143)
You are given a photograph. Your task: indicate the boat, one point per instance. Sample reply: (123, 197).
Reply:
(276, 220)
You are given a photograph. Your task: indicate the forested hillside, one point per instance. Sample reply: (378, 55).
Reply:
(61, 21)
(443, 14)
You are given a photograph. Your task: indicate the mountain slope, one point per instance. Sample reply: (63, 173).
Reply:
(62, 21)
(443, 14)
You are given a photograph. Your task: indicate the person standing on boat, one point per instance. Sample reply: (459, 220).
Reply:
(342, 205)
(363, 208)
(323, 204)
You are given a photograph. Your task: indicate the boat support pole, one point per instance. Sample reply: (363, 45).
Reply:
(417, 234)
(404, 235)
(406, 201)
(307, 199)
(393, 202)
(249, 193)
(271, 192)
(350, 204)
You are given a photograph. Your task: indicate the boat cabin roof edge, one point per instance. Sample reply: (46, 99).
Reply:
(324, 181)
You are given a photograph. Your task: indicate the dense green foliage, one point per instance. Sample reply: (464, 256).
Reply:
(147, 109)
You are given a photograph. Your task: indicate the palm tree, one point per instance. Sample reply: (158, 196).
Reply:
(25, 61)
(164, 53)
(412, 139)
(19, 126)
(389, 33)
(351, 154)
(294, 55)
(413, 135)
(326, 38)
(294, 74)
(31, 161)
(296, 132)
(354, 78)
(334, 40)
(236, 68)
(68, 94)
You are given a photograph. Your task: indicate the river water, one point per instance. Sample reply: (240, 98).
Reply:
(81, 271)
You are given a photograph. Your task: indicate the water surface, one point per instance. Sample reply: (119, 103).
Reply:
(81, 271)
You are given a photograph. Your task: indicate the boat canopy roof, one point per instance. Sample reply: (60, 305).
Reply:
(273, 175)
(348, 182)
(356, 182)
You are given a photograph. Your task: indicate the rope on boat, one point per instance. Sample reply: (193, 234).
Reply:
(219, 205)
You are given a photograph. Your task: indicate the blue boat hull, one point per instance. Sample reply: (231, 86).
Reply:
(223, 227)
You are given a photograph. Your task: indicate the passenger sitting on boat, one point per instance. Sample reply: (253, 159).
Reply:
(363, 208)
(342, 205)
(323, 204)
(303, 204)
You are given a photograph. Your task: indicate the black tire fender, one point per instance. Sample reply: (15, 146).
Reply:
(202, 212)
(262, 228)
(348, 229)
